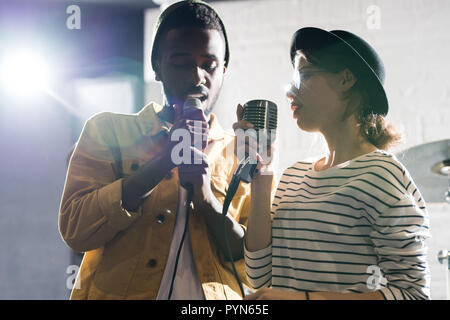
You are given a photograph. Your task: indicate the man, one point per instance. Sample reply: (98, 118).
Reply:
(121, 195)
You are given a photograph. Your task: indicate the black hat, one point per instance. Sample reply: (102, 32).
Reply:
(360, 58)
(174, 8)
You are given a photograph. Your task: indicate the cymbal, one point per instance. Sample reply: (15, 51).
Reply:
(429, 166)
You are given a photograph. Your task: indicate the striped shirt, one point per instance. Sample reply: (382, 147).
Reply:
(353, 228)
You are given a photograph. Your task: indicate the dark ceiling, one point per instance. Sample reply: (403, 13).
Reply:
(137, 4)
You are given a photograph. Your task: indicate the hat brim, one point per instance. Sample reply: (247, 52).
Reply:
(316, 38)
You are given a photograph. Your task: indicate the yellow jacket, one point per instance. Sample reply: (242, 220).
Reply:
(126, 253)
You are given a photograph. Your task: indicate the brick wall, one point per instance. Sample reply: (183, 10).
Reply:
(410, 39)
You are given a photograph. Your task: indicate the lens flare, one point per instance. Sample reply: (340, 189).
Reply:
(24, 73)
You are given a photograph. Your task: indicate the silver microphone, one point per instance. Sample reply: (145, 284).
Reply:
(263, 114)
(191, 105)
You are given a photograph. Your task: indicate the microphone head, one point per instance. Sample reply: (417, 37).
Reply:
(262, 114)
(190, 104)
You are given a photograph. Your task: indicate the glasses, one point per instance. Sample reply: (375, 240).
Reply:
(301, 77)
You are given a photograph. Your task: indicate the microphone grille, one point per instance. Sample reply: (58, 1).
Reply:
(193, 103)
(261, 113)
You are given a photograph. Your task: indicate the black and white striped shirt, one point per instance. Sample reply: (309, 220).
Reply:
(336, 230)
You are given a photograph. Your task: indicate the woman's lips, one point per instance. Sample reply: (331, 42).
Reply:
(294, 109)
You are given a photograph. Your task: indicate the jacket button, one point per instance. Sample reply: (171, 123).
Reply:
(151, 263)
(160, 219)
(134, 166)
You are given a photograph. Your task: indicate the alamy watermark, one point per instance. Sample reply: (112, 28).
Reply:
(373, 21)
(73, 21)
(375, 281)
(73, 281)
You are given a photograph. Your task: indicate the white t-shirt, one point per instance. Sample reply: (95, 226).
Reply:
(187, 285)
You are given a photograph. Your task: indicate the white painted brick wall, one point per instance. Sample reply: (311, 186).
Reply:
(413, 40)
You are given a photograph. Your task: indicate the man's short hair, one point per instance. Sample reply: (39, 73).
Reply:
(186, 14)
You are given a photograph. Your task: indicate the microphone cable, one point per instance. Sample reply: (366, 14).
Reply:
(190, 106)
(231, 191)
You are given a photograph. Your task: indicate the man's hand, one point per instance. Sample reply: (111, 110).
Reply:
(196, 173)
(192, 125)
(194, 169)
(198, 176)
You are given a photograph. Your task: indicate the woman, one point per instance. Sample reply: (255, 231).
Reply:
(353, 224)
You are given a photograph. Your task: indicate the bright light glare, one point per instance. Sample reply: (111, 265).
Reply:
(24, 73)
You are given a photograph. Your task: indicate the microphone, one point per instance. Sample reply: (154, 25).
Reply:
(263, 115)
(191, 106)
(186, 193)
(192, 110)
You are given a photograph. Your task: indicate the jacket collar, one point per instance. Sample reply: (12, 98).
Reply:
(149, 122)
(215, 129)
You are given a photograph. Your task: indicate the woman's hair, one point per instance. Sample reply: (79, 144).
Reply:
(373, 127)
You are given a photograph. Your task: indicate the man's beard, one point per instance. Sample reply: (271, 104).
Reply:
(212, 105)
